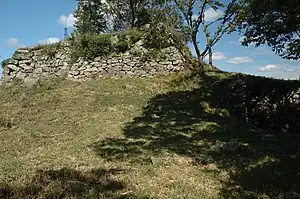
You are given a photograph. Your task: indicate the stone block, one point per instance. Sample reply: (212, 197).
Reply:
(13, 67)
(92, 69)
(20, 75)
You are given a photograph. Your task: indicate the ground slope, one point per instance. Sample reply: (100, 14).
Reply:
(137, 138)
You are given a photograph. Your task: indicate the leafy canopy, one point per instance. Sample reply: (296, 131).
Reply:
(272, 22)
(91, 17)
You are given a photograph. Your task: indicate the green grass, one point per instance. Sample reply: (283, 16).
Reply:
(137, 138)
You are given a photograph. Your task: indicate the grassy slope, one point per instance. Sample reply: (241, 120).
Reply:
(136, 138)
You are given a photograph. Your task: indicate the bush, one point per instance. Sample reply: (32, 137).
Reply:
(158, 37)
(51, 49)
(126, 39)
(134, 35)
(91, 46)
(122, 46)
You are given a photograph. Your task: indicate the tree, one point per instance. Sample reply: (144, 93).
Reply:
(272, 22)
(126, 13)
(97, 16)
(193, 12)
(224, 25)
(91, 17)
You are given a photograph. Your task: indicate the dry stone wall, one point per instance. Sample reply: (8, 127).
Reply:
(29, 64)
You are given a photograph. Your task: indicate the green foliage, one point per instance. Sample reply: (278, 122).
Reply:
(122, 46)
(51, 49)
(156, 54)
(126, 39)
(275, 23)
(165, 27)
(90, 17)
(158, 37)
(5, 62)
(91, 46)
(134, 35)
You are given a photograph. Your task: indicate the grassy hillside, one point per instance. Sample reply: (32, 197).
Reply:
(162, 137)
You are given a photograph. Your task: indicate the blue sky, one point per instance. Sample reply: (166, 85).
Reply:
(27, 23)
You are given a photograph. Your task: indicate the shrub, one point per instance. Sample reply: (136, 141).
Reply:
(51, 49)
(122, 46)
(158, 37)
(126, 39)
(91, 46)
(134, 35)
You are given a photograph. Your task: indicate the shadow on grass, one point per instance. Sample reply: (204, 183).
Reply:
(67, 183)
(192, 123)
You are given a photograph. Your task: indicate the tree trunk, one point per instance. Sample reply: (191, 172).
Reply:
(210, 57)
(199, 56)
(132, 13)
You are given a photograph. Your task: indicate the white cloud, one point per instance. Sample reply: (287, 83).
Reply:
(212, 15)
(240, 60)
(269, 67)
(67, 21)
(12, 42)
(291, 69)
(50, 40)
(282, 68)
(217, 56)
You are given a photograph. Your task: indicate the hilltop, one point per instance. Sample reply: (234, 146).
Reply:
(121, 109)
(118, 116)
(174, 136)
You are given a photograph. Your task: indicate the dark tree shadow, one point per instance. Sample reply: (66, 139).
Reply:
(67, 183)
(210, 125)
(265, 102)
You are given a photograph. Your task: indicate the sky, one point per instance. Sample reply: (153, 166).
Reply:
(30, 22)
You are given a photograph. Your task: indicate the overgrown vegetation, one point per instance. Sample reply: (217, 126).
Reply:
(159, 37)
(91, 46)
(126, 39)
(48, 49)
(152, 39)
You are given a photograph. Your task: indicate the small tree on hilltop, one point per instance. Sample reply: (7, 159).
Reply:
(193, 12)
